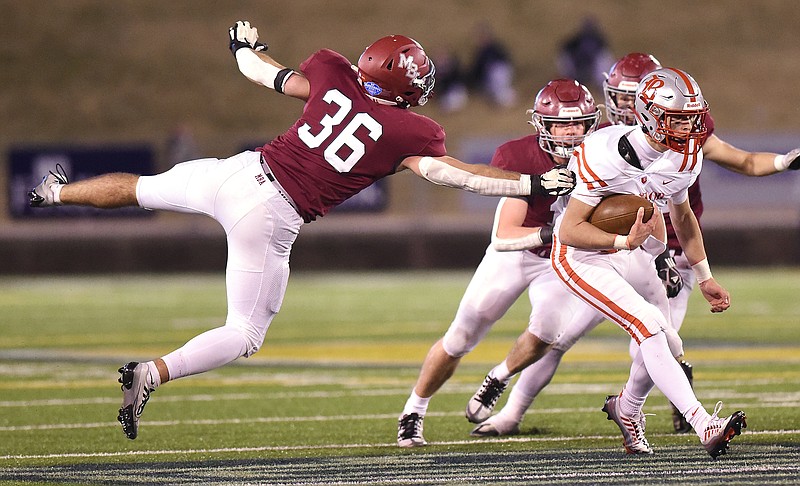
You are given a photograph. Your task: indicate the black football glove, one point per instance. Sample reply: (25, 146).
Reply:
(557, 181)
(243, 35)
(673, 282)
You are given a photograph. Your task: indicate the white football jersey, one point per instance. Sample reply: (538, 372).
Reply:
(602, 170)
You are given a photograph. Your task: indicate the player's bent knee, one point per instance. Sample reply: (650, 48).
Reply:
(674, 341)
(250, 333)
(547, 334)
(457, 342)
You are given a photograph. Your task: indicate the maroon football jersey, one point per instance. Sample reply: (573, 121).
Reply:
(344, 141)
(524, 155)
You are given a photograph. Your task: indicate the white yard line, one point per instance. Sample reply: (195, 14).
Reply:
(320, 418)
(223, 450)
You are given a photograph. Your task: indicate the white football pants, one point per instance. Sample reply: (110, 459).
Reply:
(496, 285)
(625, 287)
(261, 227)
(535, 377)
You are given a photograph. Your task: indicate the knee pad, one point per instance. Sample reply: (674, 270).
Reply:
(252, 337)
(544, 329)
(458, 340)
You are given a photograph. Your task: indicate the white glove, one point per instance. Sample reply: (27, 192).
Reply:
(243, 35)
(555, 182)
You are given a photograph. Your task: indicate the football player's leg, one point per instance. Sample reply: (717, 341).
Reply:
(106, 191)
(256, 277)
(537, 376)
(497, 283)
(188, 187)
(495, 286)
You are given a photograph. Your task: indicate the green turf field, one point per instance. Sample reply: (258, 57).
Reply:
(319, 403)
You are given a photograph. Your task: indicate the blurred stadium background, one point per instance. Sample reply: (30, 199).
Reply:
(108, 76)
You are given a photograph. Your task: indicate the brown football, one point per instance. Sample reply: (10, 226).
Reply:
(617, 213)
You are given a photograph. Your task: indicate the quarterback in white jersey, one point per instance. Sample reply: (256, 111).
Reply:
(615, 274)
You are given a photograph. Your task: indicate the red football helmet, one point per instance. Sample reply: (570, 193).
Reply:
(563, 101)
(395, 70)
(620, 86)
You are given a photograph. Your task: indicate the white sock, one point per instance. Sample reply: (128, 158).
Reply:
(500, 372)
(698, 418)
(416, 404)
(57, 193)
(637, 388)
(630, 404)
(516, 406)
(153, 376)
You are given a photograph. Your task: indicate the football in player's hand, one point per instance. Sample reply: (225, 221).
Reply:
(617, 213)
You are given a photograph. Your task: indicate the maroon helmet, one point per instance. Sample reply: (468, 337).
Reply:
(395, 70)
(563, 101)
(620, 86)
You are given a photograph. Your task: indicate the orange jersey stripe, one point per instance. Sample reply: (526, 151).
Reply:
(583, 166)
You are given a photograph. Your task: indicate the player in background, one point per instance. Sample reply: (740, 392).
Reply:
(677, 275)
(354, 130)
(658, 159)
(517, 259)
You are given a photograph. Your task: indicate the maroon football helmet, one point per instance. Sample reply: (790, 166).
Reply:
(620, 86)
(563, 101)
(395, 70)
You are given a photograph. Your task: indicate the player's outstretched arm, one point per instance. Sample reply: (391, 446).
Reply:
(489, 180)
(259, 67)
(749, 163)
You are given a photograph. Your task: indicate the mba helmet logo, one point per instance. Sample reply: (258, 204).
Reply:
(409, 65)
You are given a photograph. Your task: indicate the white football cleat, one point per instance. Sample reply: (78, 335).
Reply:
(481, 405)
(632, 428)
(135, 393)
(719, 432)
(43, 195)
(409, 430)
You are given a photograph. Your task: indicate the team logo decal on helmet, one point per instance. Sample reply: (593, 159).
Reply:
(671, 109)
(563, 101)
(395, 70)
(410, 66)
(372, 88)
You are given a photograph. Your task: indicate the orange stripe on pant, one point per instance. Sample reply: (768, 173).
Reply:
(593, 296)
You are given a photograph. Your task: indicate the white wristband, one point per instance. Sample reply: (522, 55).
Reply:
(621, 242)
(259, 71)
(781, 163)
(702, 271)
(533, 240)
